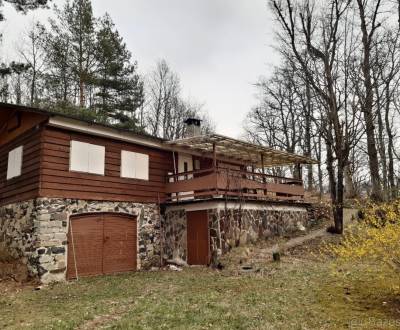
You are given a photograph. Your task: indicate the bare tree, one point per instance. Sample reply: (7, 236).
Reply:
(165, 110)
(369, 24)
(33, 54)
(313, 37)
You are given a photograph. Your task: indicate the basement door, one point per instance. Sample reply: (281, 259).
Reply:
(198, 246)
(101, 243)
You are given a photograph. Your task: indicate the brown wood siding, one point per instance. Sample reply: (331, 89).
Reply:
(14, 123)
(58, 181)
(25, 186)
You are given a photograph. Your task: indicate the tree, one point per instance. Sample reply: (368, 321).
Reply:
(368, 26)
(165, 109)
(58, 76)
(119, 88)
(34, 56)
(18, 69)
(282, 118)
(320, 64)
(72, 43)
(5, 72)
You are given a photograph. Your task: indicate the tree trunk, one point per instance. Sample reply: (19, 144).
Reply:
(382, 146)
(350, 190)
(391, 181)
(338, 205)
(367, 107)
(33, 88)
(307, 137)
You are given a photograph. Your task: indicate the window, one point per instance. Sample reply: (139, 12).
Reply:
(86, 157)
(134, 165)
(14, 165)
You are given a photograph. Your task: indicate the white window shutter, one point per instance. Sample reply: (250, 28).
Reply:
(18, 160)
(142, 166)
(134, 165)
(128, 164)
(14, 165)
(96, 159)
(79, 156)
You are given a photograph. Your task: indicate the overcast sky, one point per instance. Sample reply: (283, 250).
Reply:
(218, 47)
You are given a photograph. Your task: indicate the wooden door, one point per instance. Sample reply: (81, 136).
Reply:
(102, 243)
(119, 249)
(198, 246)
(85, 246)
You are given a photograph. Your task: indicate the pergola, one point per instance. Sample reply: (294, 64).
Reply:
(219, 146)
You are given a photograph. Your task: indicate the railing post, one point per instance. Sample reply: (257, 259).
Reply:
(214, 156)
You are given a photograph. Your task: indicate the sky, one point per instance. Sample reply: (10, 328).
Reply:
(219, 48)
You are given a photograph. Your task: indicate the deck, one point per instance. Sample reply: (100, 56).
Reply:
(223, 182)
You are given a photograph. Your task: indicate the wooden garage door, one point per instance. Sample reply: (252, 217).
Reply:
(197, 238)
(101, 244)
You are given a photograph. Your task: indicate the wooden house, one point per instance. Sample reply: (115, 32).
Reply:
(81, 199)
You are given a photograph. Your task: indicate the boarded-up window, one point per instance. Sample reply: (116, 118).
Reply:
(14, 165)
(86, 157)
(134, 165)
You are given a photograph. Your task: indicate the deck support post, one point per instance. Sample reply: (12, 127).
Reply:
(298, 172)
(263, 172)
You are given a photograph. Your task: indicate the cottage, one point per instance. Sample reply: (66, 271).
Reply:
(80, 199)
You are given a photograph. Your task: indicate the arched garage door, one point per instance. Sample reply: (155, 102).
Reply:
(101, 243)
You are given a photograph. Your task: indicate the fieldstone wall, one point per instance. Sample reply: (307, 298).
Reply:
(174, 235)
(232, 227)
(36, 232)
(235, 227)
(17, 240)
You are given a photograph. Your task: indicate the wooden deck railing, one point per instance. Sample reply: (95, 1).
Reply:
(220, 182)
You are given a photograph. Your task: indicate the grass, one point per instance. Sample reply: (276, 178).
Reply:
(298, 293)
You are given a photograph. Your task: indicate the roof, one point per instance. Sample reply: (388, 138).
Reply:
(226, 147)
(52, 113)
(240, 150)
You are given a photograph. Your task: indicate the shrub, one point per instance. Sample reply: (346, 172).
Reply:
(376, 236)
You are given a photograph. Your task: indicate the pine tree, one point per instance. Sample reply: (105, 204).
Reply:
(119, 88)
(72, 43)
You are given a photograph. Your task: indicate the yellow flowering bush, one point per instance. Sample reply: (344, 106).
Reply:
(375, 237)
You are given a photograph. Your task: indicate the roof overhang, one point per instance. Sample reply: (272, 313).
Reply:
(239, 151)
(107, 132)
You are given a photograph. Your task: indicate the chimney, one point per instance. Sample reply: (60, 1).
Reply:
(193, 127)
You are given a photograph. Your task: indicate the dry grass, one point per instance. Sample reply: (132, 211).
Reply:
(300, 292)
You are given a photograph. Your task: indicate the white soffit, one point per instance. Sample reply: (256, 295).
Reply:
(93, 129)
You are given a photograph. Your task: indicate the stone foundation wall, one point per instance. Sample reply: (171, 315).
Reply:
(17, 239)
(36, 232)
(232, 227)
(235, 227)
(174, 235)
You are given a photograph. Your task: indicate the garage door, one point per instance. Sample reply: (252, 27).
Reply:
(103, 243)
(197, 238)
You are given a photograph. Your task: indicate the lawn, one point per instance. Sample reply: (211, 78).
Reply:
(300, 292)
